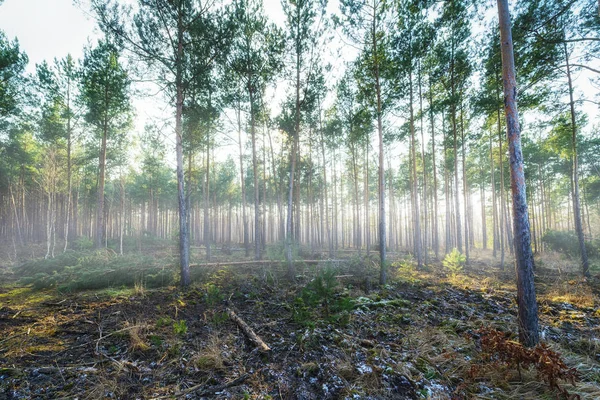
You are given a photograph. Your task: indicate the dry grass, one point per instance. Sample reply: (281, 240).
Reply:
(213, 354)
(573, 291)
(137, 334)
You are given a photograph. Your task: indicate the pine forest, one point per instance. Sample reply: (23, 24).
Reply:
(300, 199)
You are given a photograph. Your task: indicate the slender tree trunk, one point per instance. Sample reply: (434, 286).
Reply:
(243, 183)
(289, 233)
(325, 191)
(528, 313)
(483, 218)
(425, 211)
(414, 191)
(435, 237)
(495, 243)
(207, 229)
(257, 224)
(122, 213)
(184, 245)
(69, 173)
(465, 187)
(381, 178)
(101, 177)
(502, 218)
(575, 171)
(366, 198)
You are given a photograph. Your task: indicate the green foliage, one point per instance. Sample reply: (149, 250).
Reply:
(322, 292)
(567, 243)
(213, 294)
(454, 262)
(163, 321)
(83, 243)
(73, 271)
(180, 327)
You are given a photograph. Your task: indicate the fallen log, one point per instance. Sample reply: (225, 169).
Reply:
(260, 262)
(250, 334)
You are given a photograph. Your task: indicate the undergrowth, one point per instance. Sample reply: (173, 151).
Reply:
(322, 298)
(498, 350)
(73, 271)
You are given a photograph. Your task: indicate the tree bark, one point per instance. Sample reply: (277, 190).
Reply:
(184, 245)
(528, 313)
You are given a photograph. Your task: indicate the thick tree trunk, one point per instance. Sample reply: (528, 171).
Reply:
(528, 313)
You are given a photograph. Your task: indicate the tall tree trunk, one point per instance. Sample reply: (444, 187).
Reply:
(528, 313)
(502, 218)
(575, 176)
(207, 229)
(495, 235)
(366, 198)
(101, 177)
(425, 211)
(458, 228)
(325, 189)
(414, 190)
(69, 173)
(291, 270)
(122, 212)
(381, 182)
(257, 224)
(435, 237)
(184, 244)
(243, 183)
(465, 187)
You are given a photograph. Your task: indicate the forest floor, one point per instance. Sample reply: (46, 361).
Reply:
(333, 334)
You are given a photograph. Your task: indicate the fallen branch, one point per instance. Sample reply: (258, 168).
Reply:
(208, 391)
(254, 338)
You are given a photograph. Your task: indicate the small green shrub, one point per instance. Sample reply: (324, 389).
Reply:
(322, 293)
(213, 294)
(163, 321)
(180, 327)
(454, 262)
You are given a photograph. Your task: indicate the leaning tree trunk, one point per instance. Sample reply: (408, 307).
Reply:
(528, 313)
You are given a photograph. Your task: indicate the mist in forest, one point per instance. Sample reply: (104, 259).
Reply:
(366, 187)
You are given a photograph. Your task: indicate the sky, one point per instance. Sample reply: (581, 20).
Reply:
(34, 22)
